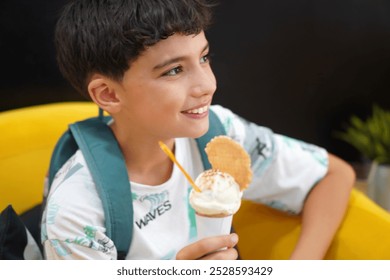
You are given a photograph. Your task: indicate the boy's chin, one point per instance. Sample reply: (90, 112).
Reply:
(194, 131)
(199, 133)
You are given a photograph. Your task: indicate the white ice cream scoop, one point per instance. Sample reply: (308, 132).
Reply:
(220, 195)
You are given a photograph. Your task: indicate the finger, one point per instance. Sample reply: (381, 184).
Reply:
(228, 254)
(206, 246)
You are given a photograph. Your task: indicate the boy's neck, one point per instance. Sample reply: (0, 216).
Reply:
(146, 163)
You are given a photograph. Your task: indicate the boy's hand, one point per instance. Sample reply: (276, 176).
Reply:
(209, 249)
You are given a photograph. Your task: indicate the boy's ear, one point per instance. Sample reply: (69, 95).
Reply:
(102, 92)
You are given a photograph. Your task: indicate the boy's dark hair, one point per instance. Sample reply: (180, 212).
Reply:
(105, 36)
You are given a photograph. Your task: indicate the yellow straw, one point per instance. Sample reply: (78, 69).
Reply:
(172, 157)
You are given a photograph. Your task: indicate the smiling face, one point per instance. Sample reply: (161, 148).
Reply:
(167, 91)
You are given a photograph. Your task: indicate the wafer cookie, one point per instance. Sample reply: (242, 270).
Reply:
(229, 156)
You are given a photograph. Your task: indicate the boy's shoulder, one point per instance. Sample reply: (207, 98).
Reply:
(73, 174)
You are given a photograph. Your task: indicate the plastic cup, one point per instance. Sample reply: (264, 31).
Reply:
(213, 226)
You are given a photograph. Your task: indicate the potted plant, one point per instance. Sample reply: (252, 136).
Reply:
(371, 137)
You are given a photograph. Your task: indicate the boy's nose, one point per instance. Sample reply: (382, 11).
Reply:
(204, 82)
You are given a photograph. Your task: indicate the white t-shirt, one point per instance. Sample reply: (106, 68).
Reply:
(284, 172)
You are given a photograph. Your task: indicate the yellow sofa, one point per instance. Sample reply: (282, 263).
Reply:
(28, 138)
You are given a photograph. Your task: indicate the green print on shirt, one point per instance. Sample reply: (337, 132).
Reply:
(104, 245)
(227, 124)
(52, 210)
(159, 205)
(60, 248)
(87, 240)
(155, 199)
(90, 232)
(69, 170)
(313, 150)
(72, 171)
(169, 256)
(191, 216)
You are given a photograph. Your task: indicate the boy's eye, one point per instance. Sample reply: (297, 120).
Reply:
(205, 58)
(173, 71)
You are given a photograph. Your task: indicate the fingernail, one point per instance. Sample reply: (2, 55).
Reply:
(234, 238)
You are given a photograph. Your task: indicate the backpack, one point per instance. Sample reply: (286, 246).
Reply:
(19, 234)
(105, 161)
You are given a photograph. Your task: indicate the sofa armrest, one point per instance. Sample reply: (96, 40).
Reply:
(267, 233)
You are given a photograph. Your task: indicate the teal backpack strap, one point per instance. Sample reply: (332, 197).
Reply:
(215, 128)
(65, 148)
(107, 166)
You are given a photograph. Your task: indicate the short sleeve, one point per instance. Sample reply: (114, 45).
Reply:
(73, 219)
(284, 169)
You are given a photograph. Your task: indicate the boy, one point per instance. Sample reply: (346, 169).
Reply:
(146, 64)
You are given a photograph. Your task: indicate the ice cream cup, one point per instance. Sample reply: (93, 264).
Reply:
(209, 226)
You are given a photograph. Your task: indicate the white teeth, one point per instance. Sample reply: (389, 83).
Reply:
(199, 110)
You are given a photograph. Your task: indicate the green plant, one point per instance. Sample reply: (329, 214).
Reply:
(371, 137)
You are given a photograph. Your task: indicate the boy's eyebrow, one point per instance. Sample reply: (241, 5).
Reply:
(175, 59)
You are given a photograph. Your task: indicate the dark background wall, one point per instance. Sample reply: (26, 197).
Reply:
(29, 73)
(299, 67)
